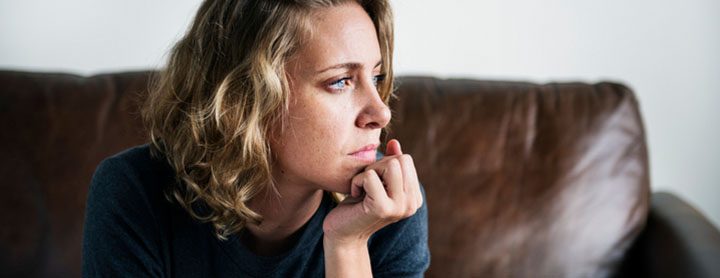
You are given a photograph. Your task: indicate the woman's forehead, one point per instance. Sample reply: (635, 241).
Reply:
(343, 34)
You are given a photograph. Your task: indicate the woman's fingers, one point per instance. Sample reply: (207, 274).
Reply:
(390, 185)
(411, 184)
(390, 172)
(393, 148)
(399, 175)
(369, 182)
(377, 202)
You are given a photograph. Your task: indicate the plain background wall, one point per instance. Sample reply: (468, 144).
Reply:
(668, 51)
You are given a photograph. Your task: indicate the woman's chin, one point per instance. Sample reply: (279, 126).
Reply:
(342, 183)
(342, 188)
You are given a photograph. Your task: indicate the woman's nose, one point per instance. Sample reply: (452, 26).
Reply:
(375, 113)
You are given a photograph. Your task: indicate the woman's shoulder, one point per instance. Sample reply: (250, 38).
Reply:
(136, 164)
(126, 213)
(133, 159)
(133, 175)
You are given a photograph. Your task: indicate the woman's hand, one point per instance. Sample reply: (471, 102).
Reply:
(387, 191)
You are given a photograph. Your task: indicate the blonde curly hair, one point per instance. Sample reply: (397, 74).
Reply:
(224, 89)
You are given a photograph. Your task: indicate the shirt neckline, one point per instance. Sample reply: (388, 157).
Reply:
(257, 265)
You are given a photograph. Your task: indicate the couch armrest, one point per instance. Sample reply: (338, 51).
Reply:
(678, 241)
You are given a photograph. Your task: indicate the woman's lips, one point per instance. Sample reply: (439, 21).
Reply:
(366, 154)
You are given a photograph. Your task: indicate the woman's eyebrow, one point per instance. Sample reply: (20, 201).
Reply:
(351, 65)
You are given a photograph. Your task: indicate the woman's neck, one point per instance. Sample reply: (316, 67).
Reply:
(283, 217)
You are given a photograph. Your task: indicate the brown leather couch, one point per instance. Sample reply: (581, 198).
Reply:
(522, 180)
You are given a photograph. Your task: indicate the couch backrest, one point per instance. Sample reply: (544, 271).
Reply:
(56, 128)
(521, 179)
(526, 180)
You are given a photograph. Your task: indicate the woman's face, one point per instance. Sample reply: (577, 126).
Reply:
(335, 111)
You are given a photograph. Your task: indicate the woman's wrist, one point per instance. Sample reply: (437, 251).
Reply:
(346, 258)
(345, 244)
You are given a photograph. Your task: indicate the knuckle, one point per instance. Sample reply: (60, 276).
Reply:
(359, 179)
(394, 213)
(393, 163)
(411, 209)
(383, 212)
(407, 159)
(369, 173)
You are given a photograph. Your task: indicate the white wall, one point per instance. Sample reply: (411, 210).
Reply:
(667, 51)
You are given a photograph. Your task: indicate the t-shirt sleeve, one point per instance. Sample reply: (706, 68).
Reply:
(120, 236)
(401, 249)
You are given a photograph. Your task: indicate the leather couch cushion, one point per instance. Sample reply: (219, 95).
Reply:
(525, 180)
(56, 129)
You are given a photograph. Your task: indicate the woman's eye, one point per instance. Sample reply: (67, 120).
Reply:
(340, 84)
(377, 79)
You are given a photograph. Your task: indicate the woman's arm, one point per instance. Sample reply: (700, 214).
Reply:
(120, 235)
(399, 250)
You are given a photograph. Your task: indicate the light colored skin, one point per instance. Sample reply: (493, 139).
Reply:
(334, 111)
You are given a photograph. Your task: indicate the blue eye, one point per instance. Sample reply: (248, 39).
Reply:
(377, 79)
(340, 84)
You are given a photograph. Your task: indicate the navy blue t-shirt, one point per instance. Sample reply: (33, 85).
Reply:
(132, 230)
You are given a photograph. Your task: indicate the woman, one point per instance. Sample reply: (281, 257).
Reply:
(264, 109)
